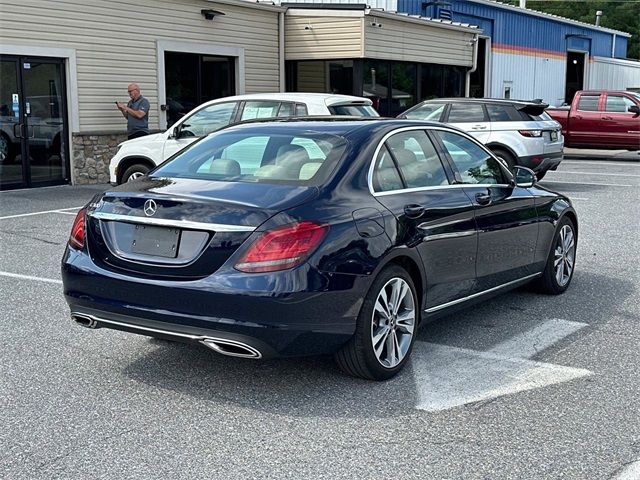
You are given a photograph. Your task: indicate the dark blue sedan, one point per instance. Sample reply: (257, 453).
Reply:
(311, 237)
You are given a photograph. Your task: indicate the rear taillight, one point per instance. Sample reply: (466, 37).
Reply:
(530, 133)
(76, 239)
(282, 248)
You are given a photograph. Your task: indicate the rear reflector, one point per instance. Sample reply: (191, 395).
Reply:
(282, 248)
(530, 133)
(76, 239)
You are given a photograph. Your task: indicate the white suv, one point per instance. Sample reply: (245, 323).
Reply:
(519, 132)
(136, 157)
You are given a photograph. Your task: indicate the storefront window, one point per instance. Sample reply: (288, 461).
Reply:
(320, 76)
(376, 84)
(403, 87)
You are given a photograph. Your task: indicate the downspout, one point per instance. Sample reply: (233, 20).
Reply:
(613, 47)
(281, 50)
(467, 83)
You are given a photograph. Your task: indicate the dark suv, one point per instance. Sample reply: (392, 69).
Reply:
(519, 132)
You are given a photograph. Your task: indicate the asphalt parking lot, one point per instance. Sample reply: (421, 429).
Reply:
(521, 387)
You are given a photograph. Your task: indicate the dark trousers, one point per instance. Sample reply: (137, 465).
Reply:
(137, 134)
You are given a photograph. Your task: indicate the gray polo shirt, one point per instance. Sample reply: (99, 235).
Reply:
(135, 125)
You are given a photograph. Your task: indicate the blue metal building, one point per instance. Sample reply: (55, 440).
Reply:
(523, 53)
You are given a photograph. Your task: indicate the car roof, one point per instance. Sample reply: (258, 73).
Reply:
(336, 125)
(506, 101)
(325, 99)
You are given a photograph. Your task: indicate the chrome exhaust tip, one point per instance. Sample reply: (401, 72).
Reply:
(231, 348)
(84, 321)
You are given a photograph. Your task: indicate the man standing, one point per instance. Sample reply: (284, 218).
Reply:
(136, 112)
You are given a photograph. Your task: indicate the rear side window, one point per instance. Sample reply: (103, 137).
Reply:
(475, 165)
(354, 110)
(385, 174)
(588, 103)
(231, 156)
(301, 110)
(417, 159)
(503, 113)
(618, 104)
(466, 112)
(260, 109)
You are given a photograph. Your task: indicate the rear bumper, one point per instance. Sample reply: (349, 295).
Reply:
(549, 161)
(288, 314)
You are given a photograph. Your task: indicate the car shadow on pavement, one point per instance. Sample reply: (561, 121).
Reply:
(313, 386)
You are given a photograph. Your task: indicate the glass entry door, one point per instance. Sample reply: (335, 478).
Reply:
(33, 123)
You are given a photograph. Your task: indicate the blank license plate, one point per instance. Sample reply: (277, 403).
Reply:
(155, 241)
(554, 135)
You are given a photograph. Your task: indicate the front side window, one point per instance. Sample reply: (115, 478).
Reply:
(428, 111)
(589, 103)
(231, 156)
(466, 112)
(618, 104)
(474, 163)
(207, 120)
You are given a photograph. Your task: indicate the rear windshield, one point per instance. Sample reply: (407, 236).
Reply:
(354, 110)
(543, 117)
(300, 158)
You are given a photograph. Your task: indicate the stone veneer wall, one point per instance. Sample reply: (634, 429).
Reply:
(91, 153)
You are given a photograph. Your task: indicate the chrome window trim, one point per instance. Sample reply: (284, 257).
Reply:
(484, 292)
(163, 222)
(433, 187)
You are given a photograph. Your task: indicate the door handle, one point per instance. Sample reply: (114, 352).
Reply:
(413, 210)
(607, 118)
(483, 198)
(17, 127)
(30, 131)
(479, 127)
(579, 117)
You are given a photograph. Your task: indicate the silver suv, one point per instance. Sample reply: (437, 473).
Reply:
(519, 132)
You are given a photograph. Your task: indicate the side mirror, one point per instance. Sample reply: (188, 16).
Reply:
(634, 109)
(524, 176)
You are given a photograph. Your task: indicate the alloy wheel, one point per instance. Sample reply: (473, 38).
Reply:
(564, 255)
(393, 322)
(134, 175)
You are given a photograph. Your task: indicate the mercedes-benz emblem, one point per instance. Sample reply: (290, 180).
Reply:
(150, 208)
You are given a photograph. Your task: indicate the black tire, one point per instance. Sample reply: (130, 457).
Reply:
(6, 149)
(540, 175)
(506, 156)
(134, 171)
(550, 282)
(357, 357)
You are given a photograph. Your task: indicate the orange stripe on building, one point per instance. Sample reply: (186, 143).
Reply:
(532, 52)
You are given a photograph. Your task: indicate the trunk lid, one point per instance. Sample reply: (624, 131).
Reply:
(181, 228)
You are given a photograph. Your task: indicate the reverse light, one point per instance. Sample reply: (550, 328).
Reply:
(282, 248)
(76, 239)
(530, 133)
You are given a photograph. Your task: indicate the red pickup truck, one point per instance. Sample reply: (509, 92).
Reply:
(601, 119)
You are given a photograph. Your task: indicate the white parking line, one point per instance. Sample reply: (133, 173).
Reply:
(594, 173)
(587, 183)
(630, 472)
(29, 277)
(448, 377)
(603, 162)
(67, 213)
(60, 210)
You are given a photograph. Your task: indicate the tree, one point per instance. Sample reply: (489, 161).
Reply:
(619, 15)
